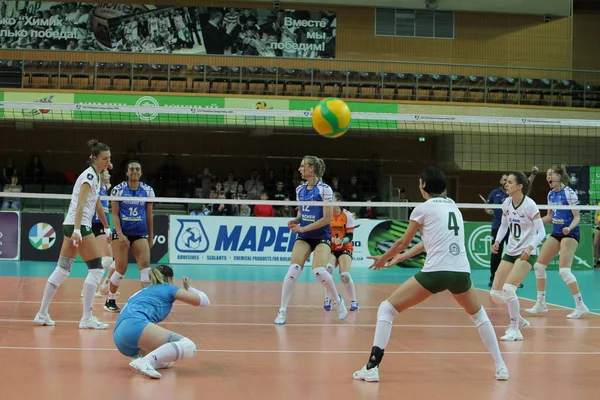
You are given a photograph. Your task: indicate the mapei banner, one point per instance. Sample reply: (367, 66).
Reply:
(215, 240)
(143, 28)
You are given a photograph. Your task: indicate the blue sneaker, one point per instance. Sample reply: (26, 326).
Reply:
(354, 305)
(327, 304)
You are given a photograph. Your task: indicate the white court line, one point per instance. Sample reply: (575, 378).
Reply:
(339, 325)
(337, 352)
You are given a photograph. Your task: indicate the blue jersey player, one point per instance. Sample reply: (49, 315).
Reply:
(564, 239)
(133, 228)
(137, 334)
(312, 227)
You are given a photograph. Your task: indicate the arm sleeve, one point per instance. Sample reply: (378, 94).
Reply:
(502, 230)
(541, 232)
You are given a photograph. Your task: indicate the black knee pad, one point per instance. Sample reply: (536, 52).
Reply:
(96, 263)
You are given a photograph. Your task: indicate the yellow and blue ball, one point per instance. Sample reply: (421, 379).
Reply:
(331, 118)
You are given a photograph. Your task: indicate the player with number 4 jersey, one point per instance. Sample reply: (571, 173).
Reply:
(133, 228)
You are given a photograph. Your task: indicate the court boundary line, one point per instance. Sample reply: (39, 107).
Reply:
(337, 352)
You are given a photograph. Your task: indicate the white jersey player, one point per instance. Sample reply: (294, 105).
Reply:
(521, 219)
(446, 268)
(79, 238)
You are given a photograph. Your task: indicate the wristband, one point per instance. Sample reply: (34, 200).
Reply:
(107, 231)
(77, 231)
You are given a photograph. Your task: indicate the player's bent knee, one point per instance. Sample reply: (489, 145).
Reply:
(567, 275)
(65, 263)
(106, 262)
(188, 347)
(57, 279)
(497, 297)
(480, 317)
(386, 312)
(96, 263)
(294, 272)
(510, 292)
(345, 277)
(540, 271)
(145, 275)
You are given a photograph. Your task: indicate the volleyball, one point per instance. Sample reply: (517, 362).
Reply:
(331, 118)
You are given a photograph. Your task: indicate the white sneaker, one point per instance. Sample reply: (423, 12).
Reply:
(579, 312)
(143, 367)
(43, 320)
(342, 310)
(165, 365)
(537, 308)
(367, 375)
(97, 294)
(92, 323)
(523, 323)
(502, 374)
(281, 315)
(512, 335)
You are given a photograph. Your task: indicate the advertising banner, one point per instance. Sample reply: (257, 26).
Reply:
(41, 236)
(143, 28)
(9, 235)
(41, 112)
(214, 240)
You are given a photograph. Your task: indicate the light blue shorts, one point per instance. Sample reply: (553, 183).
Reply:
(127, 335)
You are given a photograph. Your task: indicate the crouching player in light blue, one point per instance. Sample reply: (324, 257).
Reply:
(136, 333)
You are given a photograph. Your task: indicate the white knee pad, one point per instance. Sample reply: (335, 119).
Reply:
(186, 348)
(321, 274)
(480, 317)
(510, 292)
(567, 275)
(106, 262)
(346, 277)
(94, 277)
(540, 270)
(58, 276)
(497, 297)
(116, 279)
(329, 268)
(145, 275)
(386, 312)
(294, 272)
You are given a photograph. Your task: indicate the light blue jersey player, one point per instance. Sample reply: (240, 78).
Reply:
(564, 240)
(133, 228)
(314, 236)
(137, 333)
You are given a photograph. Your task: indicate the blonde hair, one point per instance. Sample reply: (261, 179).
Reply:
(562, 171)
(317, 163)
(161, 274)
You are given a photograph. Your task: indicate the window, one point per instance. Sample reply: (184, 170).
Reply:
(414, 23)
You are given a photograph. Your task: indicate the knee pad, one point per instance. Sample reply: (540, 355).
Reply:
(65, 263)
(510, 292)
(145, 275)
(567, 275)
(480, 317)
(58, 276)
(116, 279)
(540, 270)
(96, 263)
(345, 277)
(321, 274)
(497, 297)
(185, 348)
(294, 272)
(329, 268)
(94, 277)
(386, 312)
(106, 262)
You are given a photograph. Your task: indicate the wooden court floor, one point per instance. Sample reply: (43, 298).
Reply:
(435, 351)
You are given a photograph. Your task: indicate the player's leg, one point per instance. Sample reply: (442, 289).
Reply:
(68, 252)
(345, 261)
(121, 255)
(549, 250)
(300, 254)
(107, 263)
(517, 275)
(91, 256)
(408, 294)
(568, 247)
(320, 258)
(330, 267)
(141, 252)
(469, 300)
(503, 271)
(162, 348)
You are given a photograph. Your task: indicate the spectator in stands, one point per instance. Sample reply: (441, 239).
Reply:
(271, 181)
(169, 176)
(335, 185)
(230, 185)
(354, 191)
(9, 170)
(12, 187)
(264, 210)
(287, 211)
(205, 181)
(222, 209)
(254, 187)
(279, 193)
(35, 172)
(368, 212)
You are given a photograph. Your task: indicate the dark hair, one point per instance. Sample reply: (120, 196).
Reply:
(97, 147)
(337, 196)
(521, 179)
(434, 180)
(562, 171)
(134, 162)
(161, 274)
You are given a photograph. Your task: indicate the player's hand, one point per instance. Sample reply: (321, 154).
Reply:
(379, 262)
(526, 253)
(76, 237)
(291, 223)
(297, 229)
(123, 241)
(535, 170)
(495, 248)
(186, 282)
(338, 242)
(566, 230)
(108, 235)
